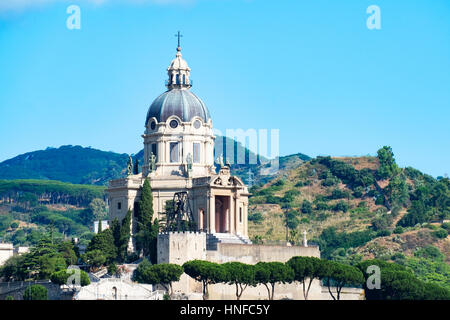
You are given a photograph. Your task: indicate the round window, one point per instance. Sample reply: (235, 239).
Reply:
(173, 124)
(153, 125)
(197, 124)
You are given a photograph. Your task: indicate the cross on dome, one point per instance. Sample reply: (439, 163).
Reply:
(179, 35)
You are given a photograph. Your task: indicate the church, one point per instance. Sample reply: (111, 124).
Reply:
(180, 166)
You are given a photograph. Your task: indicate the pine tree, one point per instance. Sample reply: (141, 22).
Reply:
(99, 226)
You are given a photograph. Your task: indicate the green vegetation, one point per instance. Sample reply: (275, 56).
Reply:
(28, 193)
(147, 229)
(398, 283)
(163, 274)
(43, 260)
(331, 240)
(205, 272)
(429, 201)
(239, 274)
(271, 273)
(339, 275)
(61, 277)
(256, 217)
(73, 164)
(35, 292)
(306, 268)
(388, 168)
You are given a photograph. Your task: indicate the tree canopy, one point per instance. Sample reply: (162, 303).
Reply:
(205, 272)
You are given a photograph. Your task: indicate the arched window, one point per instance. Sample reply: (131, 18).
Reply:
(177, 78)
(184, 79)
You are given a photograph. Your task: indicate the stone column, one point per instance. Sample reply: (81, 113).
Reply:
(212, 214)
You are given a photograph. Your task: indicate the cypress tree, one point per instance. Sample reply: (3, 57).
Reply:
(99, 226)
(115, 228)
(147, 230)
(124, 237)
(145, 207)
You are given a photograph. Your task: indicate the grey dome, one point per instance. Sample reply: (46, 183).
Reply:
(179, 102)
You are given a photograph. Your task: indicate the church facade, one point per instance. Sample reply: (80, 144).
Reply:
(180, 166)
(179, 158)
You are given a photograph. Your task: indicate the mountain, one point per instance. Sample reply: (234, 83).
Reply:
(74, 164)
(80, 165)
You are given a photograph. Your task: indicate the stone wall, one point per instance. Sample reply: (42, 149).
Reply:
(174, 247)
(253, 254)
(178, 248)
(16, 289)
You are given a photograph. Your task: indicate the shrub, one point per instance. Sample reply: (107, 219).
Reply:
(399, 230)
(446, 226)
(256, 217)
(14, 225)
(430, 252)
(341, 206)
(381, 223)
(383, 233)
(339, 194)
(35, 292)
(306, 207)
(440, 233)
(379, 200)
(322, 206)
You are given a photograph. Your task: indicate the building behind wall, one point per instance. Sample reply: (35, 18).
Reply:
(179, 157)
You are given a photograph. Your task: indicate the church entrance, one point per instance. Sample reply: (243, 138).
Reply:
(222, 213)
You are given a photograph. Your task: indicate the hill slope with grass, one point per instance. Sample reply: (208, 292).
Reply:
(358, 208)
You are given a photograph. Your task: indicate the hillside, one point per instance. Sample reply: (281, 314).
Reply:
(359, 208)
(80, 165)
(73, 164)
(31, 208)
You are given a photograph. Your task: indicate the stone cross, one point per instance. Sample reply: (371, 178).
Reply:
(305, 242)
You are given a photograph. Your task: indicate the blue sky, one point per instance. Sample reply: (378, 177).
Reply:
(309, 68)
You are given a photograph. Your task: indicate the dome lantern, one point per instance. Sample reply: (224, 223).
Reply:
(178, 71)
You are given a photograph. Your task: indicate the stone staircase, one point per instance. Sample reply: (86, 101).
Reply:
(212, 239)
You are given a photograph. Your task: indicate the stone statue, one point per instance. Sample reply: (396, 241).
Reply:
(219, 160)
(227, 163)
(130, 166)
(189, 162)
(151, 162)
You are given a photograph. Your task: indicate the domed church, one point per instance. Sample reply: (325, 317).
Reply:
(180, 166)
(212, 204)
